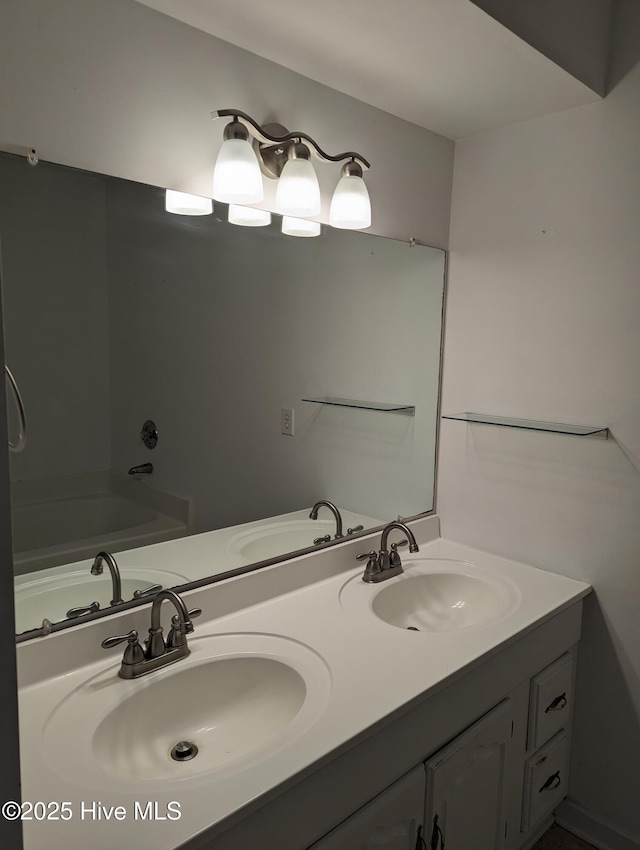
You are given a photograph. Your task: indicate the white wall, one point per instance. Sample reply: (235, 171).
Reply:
(53, 234)
(543, 321)
(119, 88)
(214, 328)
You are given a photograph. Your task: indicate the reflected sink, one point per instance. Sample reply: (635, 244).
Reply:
(238, 698)
(53, 596)
(273, 539)
(436, 595)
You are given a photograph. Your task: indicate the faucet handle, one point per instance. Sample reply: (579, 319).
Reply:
(178, 631)
(110, 642)
(83, 609)
(146, 591)
(373, 564)
(318, 540)
(394, 556)
(175, 620)
(133, 653)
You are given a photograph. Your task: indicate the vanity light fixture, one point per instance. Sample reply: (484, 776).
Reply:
(299, 226)
(248, 216)
(298, 192)
(236, 177)
(350, 205)
(182, 203)
(286, 157)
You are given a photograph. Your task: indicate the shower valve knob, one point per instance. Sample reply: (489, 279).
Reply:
(149, 434)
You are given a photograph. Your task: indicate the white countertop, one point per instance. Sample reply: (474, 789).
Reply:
(410, 665)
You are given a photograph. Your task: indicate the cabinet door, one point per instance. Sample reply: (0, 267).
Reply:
(389, 822)
(465, 783)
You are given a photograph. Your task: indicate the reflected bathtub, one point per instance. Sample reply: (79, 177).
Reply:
(63, 528)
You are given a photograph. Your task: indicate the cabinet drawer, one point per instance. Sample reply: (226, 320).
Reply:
(545, 780)
(550, 701)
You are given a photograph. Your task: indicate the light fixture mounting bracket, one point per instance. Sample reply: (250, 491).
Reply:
(272, 143)
(273, 156)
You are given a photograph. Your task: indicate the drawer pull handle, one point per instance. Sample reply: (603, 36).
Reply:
(557, 704)
(436, 836)
(551, 784)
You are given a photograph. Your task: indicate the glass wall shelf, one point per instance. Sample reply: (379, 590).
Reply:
(531, 424)
(406, 409)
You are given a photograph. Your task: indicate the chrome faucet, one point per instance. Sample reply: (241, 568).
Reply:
(138, 660)
(116, 583)
(335, 512)
(384, 564)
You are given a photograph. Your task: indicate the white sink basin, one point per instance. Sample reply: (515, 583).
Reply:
(273, 539)
(238, 698)
(435, 595)
(229, 707)
(53, 596)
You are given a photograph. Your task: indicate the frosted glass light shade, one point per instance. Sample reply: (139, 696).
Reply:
(182, 203)
(298, 192)
(300, 227)
(350, 205)
(236, 177)
(248, 216)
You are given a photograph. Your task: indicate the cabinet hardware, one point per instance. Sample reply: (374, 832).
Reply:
(552, 783)
(557, 704)
(435, 836)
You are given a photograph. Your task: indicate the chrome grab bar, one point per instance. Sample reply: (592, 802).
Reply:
(22, 431)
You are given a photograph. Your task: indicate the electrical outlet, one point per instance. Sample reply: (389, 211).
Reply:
(286, 421)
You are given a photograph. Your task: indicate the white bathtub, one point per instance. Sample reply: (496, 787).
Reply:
(59, 525)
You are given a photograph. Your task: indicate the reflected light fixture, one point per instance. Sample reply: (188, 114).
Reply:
(286, 157)
(299, 226)
(182, 203)
(248, 216)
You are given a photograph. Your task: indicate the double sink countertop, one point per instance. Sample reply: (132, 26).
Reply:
(303, 659)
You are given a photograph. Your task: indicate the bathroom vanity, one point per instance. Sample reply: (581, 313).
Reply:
(322, 717)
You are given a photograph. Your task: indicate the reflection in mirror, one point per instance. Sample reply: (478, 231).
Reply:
(118, 313)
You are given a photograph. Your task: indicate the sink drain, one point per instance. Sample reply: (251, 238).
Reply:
(412, 629)
(184, 751)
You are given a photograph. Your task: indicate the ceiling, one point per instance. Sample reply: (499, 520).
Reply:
(442, 64)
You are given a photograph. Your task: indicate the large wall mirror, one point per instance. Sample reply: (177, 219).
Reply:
(118, 313)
